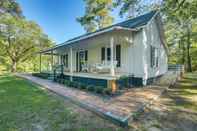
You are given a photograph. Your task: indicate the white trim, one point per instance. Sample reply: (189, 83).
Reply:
(71, 60)
(112, 56)
(143, 26)
(152, 18)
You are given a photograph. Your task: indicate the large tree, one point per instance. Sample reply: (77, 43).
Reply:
(179, 17)
(132, 8)
(20, 39)
(10, 6)
(97, 14)
(182, 15)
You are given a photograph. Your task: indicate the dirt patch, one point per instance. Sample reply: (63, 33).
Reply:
(174, 111)
(166, 120)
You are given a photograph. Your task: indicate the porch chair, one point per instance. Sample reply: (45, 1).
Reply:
(85, 67)
(105, 66)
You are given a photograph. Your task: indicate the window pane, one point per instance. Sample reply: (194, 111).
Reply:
(86, 55)
(118, 55)
(108, 54)
(102, 54)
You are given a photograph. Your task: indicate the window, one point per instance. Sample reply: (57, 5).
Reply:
(64, 60)
(108, 54)
(154, 57)
(86, 55)
(118, 55)
(102, 53)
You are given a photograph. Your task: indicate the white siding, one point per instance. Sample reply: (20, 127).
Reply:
(135, 55)
(151, 38)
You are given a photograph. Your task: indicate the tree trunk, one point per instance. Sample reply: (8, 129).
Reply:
(189, 64)
(183, 51)
(13, 67)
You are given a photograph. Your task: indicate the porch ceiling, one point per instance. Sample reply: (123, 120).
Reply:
(120, 36)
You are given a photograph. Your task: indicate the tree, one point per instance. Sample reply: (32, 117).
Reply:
(97, 15)
(179, 17)
(12, 7)
(183, 14)
(20, 39)
(133, 8)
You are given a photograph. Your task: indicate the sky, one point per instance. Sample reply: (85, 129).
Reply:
(57, 18)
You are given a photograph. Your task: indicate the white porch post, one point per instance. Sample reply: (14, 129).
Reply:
(40, 62)
(112, 55)
(71, 62)
(52, 62)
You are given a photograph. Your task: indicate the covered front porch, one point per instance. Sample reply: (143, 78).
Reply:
(100, 57)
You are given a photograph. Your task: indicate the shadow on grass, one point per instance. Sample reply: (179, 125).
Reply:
(170, 120)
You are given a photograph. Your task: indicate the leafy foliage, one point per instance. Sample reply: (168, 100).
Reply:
(19, 39)
(97, 15)
(181, 30)
(179, 17)
(11, 6)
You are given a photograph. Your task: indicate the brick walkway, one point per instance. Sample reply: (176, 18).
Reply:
(120, 107)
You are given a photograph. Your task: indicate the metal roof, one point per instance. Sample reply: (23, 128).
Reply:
(131, 23)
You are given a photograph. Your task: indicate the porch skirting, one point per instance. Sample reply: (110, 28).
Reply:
(100, 81)
(88, 81)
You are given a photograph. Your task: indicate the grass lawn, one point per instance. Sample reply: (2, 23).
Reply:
(25, 107)
(176, 110)
(184, 94)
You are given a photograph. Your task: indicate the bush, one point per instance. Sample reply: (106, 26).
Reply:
(123, 82)
(99, 89)
(67, 83)
(75, 84)
(82, 86)
(107, 91)
(90, 88)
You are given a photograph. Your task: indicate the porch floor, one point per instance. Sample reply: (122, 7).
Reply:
(105, 76)
(119, 107)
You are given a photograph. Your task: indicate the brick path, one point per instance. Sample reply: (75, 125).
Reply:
(120, 107)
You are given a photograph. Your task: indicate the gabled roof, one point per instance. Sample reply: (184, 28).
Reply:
(130, 24)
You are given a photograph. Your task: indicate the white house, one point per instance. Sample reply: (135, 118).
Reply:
(134, 48)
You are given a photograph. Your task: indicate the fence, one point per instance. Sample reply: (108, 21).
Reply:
(177, 69)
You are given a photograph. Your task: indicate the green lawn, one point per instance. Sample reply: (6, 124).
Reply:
(184, 93)
(175, 110)
(24, 107)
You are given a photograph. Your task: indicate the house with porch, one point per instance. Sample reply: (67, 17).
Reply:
(134, 48)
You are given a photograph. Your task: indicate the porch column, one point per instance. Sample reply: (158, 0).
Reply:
(112, 55)
(51, 60)
(40, 67)
(71, 63)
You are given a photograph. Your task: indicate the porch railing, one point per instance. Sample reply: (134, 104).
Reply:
(58, 72)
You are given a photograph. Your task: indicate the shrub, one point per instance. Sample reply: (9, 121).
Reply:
(123, 82)
(107, 91)
(82, 86)
(67, 83)
(99, 89)
(75, 84)
(90, 88)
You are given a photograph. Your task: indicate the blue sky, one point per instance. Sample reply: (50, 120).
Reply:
(57, 17)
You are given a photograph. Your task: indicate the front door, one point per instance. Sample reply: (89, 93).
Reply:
(81, 59)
